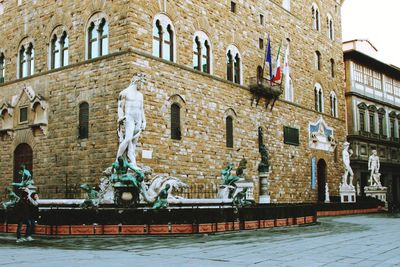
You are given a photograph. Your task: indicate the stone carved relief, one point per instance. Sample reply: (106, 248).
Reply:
(321, 136)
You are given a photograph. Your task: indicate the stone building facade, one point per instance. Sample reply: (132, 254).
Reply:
(65, 63)
(373, 104)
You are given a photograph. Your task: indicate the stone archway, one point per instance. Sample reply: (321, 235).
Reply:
(321, 178)
(23, 154)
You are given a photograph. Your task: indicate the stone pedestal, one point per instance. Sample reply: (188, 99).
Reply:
(376, 192)
(241, 184)
(347, 193)
(264, 194)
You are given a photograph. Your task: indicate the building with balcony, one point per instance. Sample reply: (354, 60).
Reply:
(64, 63)
(373, 114)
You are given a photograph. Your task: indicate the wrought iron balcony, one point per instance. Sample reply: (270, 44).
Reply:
(264, 88)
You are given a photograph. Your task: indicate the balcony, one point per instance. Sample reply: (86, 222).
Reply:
(381, 137)
(264, 88)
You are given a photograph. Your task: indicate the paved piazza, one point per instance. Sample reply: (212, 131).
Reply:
(366, 240)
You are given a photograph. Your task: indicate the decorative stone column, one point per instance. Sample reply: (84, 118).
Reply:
(264, 194)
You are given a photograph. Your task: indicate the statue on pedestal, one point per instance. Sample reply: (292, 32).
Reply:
(346, 154)
(373, 166)
(131, 118)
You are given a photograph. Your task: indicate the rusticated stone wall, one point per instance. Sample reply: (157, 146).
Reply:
(61, 161)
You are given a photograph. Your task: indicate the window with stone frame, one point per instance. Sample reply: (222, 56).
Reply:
(317, 60)
(371, 112)
(83, 126)
(26, 60)
(362, 107)
(233, 65)
(261, 19)
(315, 17)
(233, 7)
(163, 38)
(318, 98)
(330, 27)
(59, 50)
(201, 53)
(229, 131)
(291, 136)
(97, 36)
(333, 102)
(2, 68)
(392, 124)
(1, 9)
(176, 132)
(381, 121)
(23, 115)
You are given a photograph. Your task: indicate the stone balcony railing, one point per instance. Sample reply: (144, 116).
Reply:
(381, 137)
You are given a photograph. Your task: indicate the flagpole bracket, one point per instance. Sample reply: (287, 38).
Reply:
(262, 88)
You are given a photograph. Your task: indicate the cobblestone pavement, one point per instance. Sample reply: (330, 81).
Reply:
(365, 240)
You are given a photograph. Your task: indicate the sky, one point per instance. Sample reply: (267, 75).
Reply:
(375, 20)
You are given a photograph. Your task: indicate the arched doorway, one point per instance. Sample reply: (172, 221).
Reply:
(22, 155)
(321, 177)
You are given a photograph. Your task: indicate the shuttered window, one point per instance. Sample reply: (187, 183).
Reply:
(83, 120)
(175, 122)
(229, 131)
(291, 136)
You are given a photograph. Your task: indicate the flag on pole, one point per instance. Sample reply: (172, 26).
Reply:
(268, 57)
(286, 72)
(277, 71)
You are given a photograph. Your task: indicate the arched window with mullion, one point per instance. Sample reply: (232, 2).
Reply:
(197, 54)
(93, 41)
(229, 66)
(157, 39)
(103, 37)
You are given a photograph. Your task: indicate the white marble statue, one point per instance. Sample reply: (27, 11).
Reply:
(373, 166)
(327, 197)
(346, 154)
(131, 118)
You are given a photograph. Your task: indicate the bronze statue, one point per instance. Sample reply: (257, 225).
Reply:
(242, 166)
(264, 164)
(12, 198)
(92, 199)
(161, 201)
(121, 174)
(26, 177)
(240, 200)
(229, 179)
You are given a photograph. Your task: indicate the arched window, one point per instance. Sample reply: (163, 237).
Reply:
(176, 122)
(330, 28)
(2, 68)
(315, 17)
(333, 102)
(26, 60)
(259, 74)
(59, 50)
(234, 71)
(229, 131)
(201, 52)
(97, 36)
(83, 120)
(317, 60)
(318, 98)
(332, 68)
(286, 4)
(163, 38)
